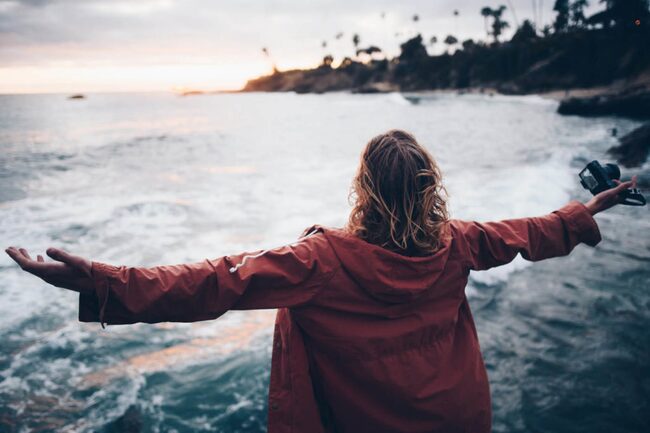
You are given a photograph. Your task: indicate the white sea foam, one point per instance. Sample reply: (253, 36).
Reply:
(396, 98)
(125, 196)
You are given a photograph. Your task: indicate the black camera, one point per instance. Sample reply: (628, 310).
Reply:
(597, 178)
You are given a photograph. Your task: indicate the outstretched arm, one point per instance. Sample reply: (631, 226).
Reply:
(282, 277)
(490, 244)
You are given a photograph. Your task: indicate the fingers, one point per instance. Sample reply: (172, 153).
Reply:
(624, 185)
(632, 181)
(17, 256)
(20, 256)
(69, 259)
(61, 256)
(67, 271)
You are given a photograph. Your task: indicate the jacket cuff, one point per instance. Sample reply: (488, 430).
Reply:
(580, 222)
(92, 306)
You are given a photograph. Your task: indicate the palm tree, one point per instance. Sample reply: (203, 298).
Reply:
(498, 25)
(386, 40)
(562, 18)
(486, 12)
(369, 52)
(450, 40)
(327, 61)
(266, 53)
(433, 41)
(355, 40)
(577, 10)
(415, 19)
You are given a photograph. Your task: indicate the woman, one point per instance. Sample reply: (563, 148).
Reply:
(374, 332)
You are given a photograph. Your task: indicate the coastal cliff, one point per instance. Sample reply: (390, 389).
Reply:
(613, 63)
(532, 64)
(599, 65)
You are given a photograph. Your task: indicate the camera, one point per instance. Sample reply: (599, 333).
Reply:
(597, 178)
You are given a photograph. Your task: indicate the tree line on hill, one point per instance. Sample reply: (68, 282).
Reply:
(574, 51)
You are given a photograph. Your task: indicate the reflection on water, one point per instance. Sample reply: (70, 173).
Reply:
(231, 338)
(156, 179)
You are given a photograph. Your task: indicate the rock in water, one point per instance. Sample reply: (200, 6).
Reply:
(130, 422)
(380, 87)
(634, 147)
(77, 96)
(632, 103)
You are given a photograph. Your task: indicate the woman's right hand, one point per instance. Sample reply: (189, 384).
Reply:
(66, 270)
(609, 198)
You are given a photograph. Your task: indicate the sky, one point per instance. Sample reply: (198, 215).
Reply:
(72, 46)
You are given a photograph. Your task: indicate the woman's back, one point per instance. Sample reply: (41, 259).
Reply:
(391, 343)
(388, 342)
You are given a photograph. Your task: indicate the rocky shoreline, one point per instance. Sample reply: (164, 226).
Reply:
(634, 147)
(524, 65)
(594, 72)
(632, 102)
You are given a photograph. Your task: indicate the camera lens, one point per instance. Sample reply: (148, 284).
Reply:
(612, 171)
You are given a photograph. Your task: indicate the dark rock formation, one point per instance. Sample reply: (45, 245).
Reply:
(380, 87)
(129, 422)
(634, 148)
(631, 103)
(77, 96)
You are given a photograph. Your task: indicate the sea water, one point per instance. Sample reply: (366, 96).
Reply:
(147, 179)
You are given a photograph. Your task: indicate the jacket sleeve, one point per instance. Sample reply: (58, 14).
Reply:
(286, 276)
(490, 244)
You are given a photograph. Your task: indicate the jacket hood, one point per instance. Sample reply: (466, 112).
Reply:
(385, 275)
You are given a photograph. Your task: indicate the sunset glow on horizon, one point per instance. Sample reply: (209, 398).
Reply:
(65, 46)
(175, 78)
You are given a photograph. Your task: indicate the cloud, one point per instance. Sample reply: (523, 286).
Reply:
(143, 33)
(76, 30)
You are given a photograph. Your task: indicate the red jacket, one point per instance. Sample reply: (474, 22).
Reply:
(366, 340)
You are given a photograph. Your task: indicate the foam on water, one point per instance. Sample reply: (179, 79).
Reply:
(155, 179)
(397, 98)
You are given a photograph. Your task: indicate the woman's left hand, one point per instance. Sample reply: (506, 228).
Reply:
(610, 197)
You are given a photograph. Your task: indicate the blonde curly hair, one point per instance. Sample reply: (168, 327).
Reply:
(398, 199)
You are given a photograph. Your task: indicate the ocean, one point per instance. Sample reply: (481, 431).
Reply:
(149, 179)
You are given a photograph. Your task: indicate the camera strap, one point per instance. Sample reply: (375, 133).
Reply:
(633, 197)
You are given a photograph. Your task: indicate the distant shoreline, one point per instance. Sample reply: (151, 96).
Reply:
(591, 71)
